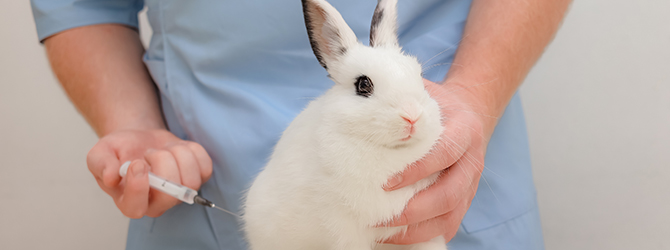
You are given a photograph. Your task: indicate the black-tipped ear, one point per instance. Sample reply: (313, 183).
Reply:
(384, 24)
(329, 35)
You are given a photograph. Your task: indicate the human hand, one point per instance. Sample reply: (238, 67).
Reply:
(459, 155)
(179, 161)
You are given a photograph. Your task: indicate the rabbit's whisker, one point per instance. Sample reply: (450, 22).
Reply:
(453, 46)
(433, 66)
(472, 112)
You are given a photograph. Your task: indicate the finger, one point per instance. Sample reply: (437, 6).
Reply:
(162, 164)
(104, 165)
(204, 161)
(189, 169)
(454, 185)
(114, 192)
(135, 199)
(451, 146)
(446, 225)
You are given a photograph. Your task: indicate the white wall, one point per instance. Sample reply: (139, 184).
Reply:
(598, 112)
(48, 199)
(598, 106)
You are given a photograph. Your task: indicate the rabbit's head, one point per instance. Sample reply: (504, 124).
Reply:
(379, 94)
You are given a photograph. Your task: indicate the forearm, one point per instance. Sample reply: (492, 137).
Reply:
(501, 42)
(101, 69)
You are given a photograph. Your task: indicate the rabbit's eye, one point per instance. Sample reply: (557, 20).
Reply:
(364, 86)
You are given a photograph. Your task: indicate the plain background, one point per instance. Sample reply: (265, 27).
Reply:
(597, 106)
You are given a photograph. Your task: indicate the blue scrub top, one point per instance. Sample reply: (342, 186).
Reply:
(233, 74)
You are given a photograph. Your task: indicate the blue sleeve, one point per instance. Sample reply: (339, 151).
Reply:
(53, 16)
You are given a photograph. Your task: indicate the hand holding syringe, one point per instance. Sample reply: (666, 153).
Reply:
(180, 192)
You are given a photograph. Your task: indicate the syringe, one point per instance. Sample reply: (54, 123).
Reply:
(180, 192)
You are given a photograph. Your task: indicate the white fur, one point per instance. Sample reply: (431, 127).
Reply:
(322, 188)
(385, 32)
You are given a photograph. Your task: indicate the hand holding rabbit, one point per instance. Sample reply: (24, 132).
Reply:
(439, 209)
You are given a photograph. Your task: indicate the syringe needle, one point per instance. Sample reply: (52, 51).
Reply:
(202, 201)
(229, 212)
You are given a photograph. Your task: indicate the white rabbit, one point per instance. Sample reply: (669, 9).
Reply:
(322, 188)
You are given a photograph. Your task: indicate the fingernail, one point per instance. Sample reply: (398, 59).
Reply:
(138, 171)
(393, 182)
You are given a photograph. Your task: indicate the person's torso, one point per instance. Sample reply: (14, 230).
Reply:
(233, 74)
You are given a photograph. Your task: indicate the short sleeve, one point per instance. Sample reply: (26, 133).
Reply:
(53, 16)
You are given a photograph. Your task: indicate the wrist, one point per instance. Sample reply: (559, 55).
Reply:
(119, 115)
(485, 95)
(139, 125)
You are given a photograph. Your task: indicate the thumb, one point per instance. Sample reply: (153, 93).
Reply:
(135, 199)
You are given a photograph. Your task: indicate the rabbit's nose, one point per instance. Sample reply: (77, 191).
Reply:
(411, 112)
(410, 120)
(409, 127)
(411, 116)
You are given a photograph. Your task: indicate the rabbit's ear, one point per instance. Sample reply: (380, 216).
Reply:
(329, 35)
(384, 24)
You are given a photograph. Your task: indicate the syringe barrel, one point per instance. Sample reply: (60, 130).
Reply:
(180, 192)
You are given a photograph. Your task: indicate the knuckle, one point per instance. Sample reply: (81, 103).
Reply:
(207, 167)
(206, 174)
(447, 202)
(178, 147)
(158, 156)
(194, 146)
(108, 182)
(193, 183)
(164, 154)
(91, 168)
(92, 157)
(200, 152)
